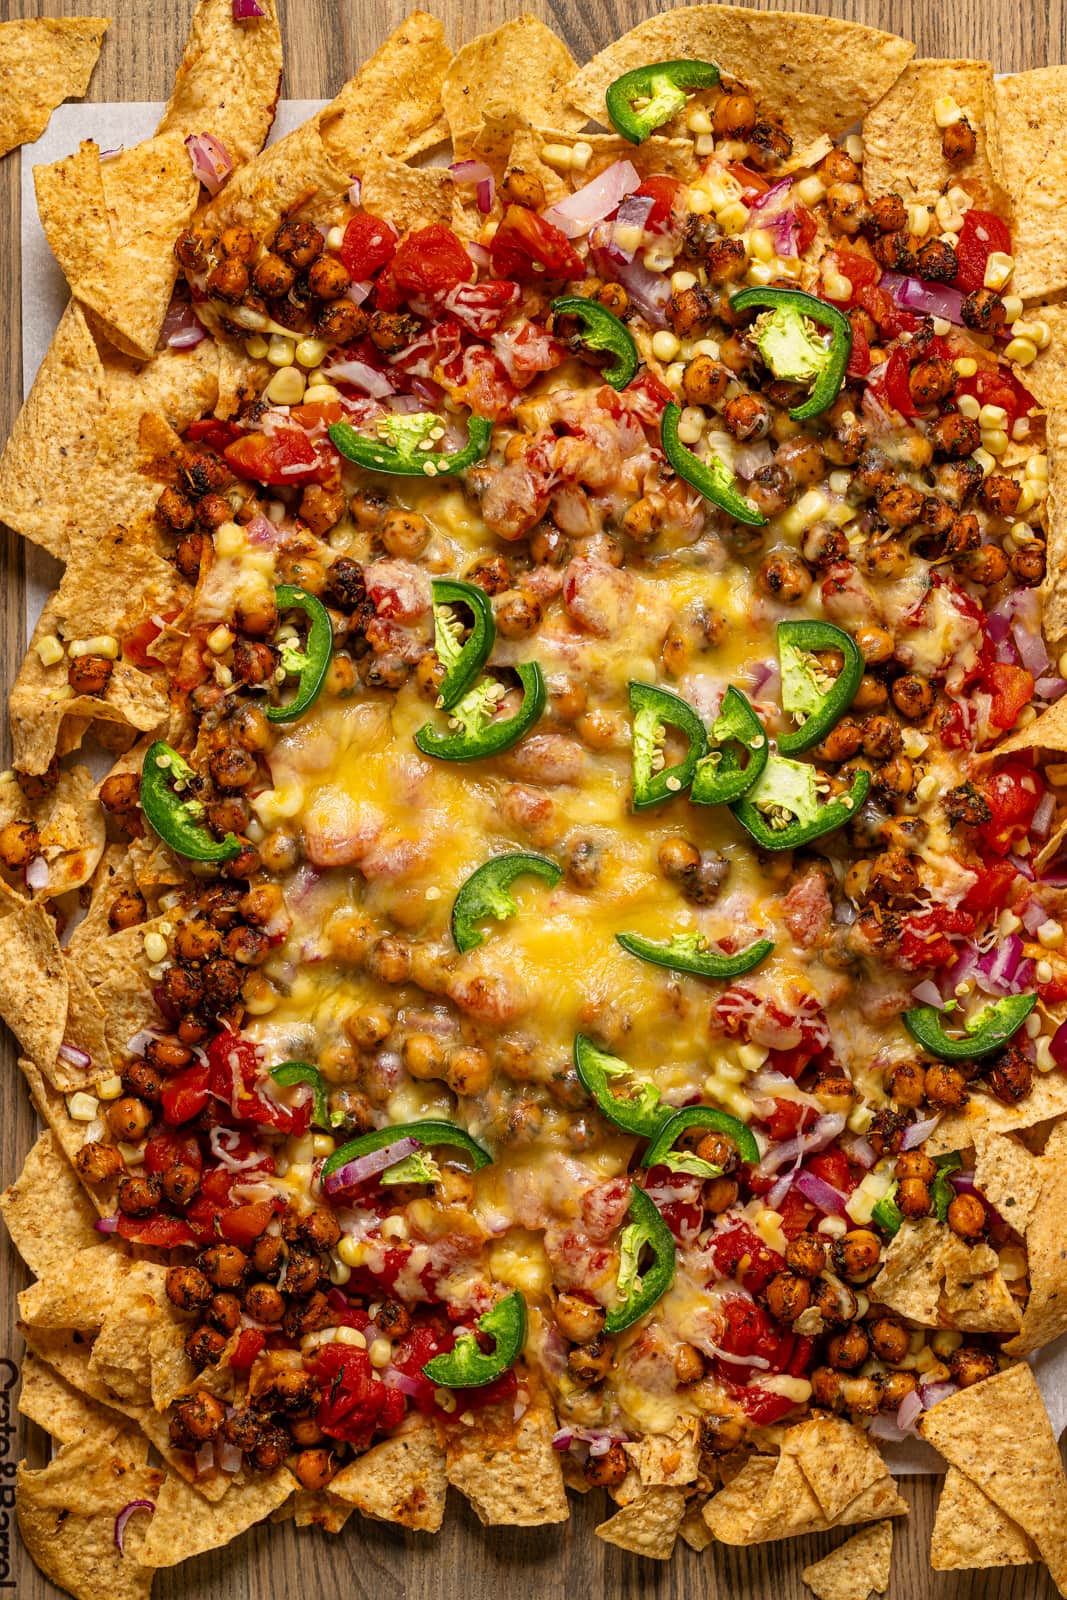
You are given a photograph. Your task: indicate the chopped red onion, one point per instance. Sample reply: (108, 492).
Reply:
(576, 213)
(107, 1224)
(909, 1411)
(1043, 816)
(932, 299)
(1033, 914)
(227, 1455)
(76, 1057)
(1024, 869)
(393, 1378)
(247, 10)
(361, 375)
(821, 1194)
(648, 291)
(479, 255)
(476, 172)
(1058, 1045)
(364, 1167)
(914, 1136)
(211, 160)
(1050, 688)
(927, 993)
(771, 200)
(181, 330)
(1031, 648)
(775, 1196)
(633, 213)
(132, 1505)
(862, 1152)
(825, 1131)
(885, 1428)
(933, 1393)
(204, 1460)
(35, 874)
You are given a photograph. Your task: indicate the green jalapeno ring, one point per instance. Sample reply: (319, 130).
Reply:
(291, 1072)
(987, 1031)
(401, 451)
(176, 821)
(661, 1151)
(462, 662)
(797, 304)
(711, 478)
(663, 84)
(640, 1291)
(802, 695)
(477, 737)
(720, 778)
(654, 709)
(787, 790)
(485, 893)
(466, 1365)
(602, 330)
(687, 952)
(643, 1114)
(431, 1132)
(313, 663)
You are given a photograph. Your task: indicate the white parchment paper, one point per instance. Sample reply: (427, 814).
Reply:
(44, 298)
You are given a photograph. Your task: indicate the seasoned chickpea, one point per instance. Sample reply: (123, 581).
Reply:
(787, 1296)
(180, 1183)
(783, 578)
(423, 1055)
(589, 1363)
(223, 1265)
(806, 1255)
(608, 1469)
(314, 1468)
(97, 1162)
(518, 614)
(187, 1288)
(969, 1365)
(958, 142)
(273, 277)
(522, 189)
(129, 1119)
(688, 1364)
(90, 674)
(719, 1194)
(228, 280)
(264, 1302)
(734, 115)
(946, 1087)
(19, 843)
(389, 960)
(577, 1318)
(848, 1349)
(747, 417)
(405, 533)
(913, 1197)
(299, 242)
(468, 1070)
(967, 1216)
(705, 381)
(889, 1338)
(327, 278)
(896, 1386)
(856, 1254)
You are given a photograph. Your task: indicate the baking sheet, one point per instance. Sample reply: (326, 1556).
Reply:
(44, 297)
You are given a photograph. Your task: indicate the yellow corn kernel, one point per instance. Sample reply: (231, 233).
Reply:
(942, 327)
(1021, 351)
(665, 345)
(560, 156)
(220, 639)
(394, 1228)
(350, 1336)
(101, 644)
(311, 352)
(287, 386)
(1037, 467)
(581, 155)
(809, 191)
(950, 236)
(1020, 429)
(229, 540)
(351, 1252)
(335, 238)
(256, 347)
(760, 273)
(918, 221)
(1013, 308)
(109, 1088)
(1043, 972)
(49, 650)
(998, 269)
(760, 245)
(697, 119)
(155, 946)
(381, 1353)
(969, 406)
(704, 144)
(836, 286)
(946, 111)
(319, 393)
(944, 1342)
(674, 374)
(768, 1224)
(706, 347)
(1043, 333)
(834, 1226)
(680, 281)
(984, 460)
(809, 509)
(992, 417)
(83, 1107)
(854, 148)
(339, 1273)
(751, 1056)
(1051, 935)
(860, 1118)
(280, 352)
(691, 425)
(732, 217)
(959, 199)
(948, 218)
(927, 787)
(658, 258)
(995, 440)
(1044, 1060)
(700, 202)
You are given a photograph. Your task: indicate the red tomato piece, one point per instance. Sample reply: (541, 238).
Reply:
(739, 1252)
(790, 1063)
(858, 269)
(1012, 688)
(981, 234)
(245, 1224)
(887, 316)
(186, 1094)
(752, 183)
(137, 642)
(369, 245)
(1013, 795)
(163, 1233)
(663, 192)
(993, 889)
(286, 456)
(807, 228)
(166, 1150)
(833, 1168)
(859, 360)
(215, 434)
(787, 1119)
(894, 383)
(926, 937)
(797, 1214)
(250, 1343)
(355, 1401)
(529, 249)
(431, 261)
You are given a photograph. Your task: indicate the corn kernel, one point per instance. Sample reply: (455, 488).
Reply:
(155, 946)
(998, 269)
(311, 352)
(394, 1228)
(680, 281)
(1037, 467)
(809, 191)
(942, 327)
(839, 482)
(381, 1353)
(339, 1273)
(220, 639)
(760, 245)
(1027, 497)
(706, 347)
(950, 236)
(732, 217)
(984, 460)
(992, 417)
(751, 1056)
(581, 155)
(287, 386)
(256, 347)
(83, 1107)
(1050, 934)
(280, 352)
(229, 540)
(1020, 429)
(1043, 1057)
(834, 1226)
(1043, 972)
(318, 393)
(1042, 334)
(665, 345)
(351, 1336)
(691, 425)
(854, 148)
(674, 374)
(836, 286)
(918, 221)
(335, 238)
(697, 119)
(658, 258)
(351, 1251)
(132, 1154)
(560, 156)
(700, 202)
(948, 218)
(109, 1088)
(704, 144)
(760, 273)
(995, 440)
(860, 1119)
(966, 366)
(946, 111)
(102, 644)
(944, 1342)
(1021, 351)
(969, 406)
(960, 199)
(809, 509)
(49, 650)
(1013, 308)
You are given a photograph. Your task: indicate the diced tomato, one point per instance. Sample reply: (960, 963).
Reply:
(369, 245)
(1013, 795)
(482, 307)
(286, 456)
(244, 1224)
(528, 249)
(739, 1252)
(858, 269)
(216, 1184)
(250, 1343)
(752, 183)
(833, 1168)
(235, 1068)
(926, 937)
(887, 316)
(1012, 688)
(797, 1214)
(203, 1215)
(1053, 993)
(787, 1119)
(981, 234)
(762, 1407)
(355, 1402)
(138, 641)
(186, 1094)
(790, 1063)
(320, 411)
(431, 261)
(998, 386)
(956, 725)
(663, 192)
(806, 226)
(859, 360)
(166, 1150)
(162, 1233)
(651, 389)
(894, 383)
(993, 889)
(215, 434)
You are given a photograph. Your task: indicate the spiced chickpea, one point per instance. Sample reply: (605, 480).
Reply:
(121, 793)
(899, 505)
(895, 777)
(783, 578)
(936, 261)
(187, 1288)
(223, 1265)
(204, 1346)
(856, 1254)
(734, 115)
(958, 142)
(889, 214)
(719, 1194)
(912, 695)
(930, 381)
(984, 311)
(970, 1365)
(341, 322)
(405, 533)
(176, 511)
(578, 1319)
(321, 508)
(299, 242)
(591, 1362)
(389, 959)
(607, 1470)
(314, 1468)
(394, 1319)
(690, 312)
(848, 1349)
(180, 1184)
(955, 436)
(268, 1255)
(889, 1338)
(90, 674)
(896, 1386)
(826, 1387)
(846, 207)
(193, 246)
(835, 1302)
(228, 280)
(806, 1255)
(768, 145)
(327, 278)
(468, 1070)
(967, 1216)
(519, 614)
(999, 494)
(725, 259)
(747, 417)
(881, 738)
(199, 1416)
(167, 1055)
(522, 189)
(1028, 564)
(129, 1119)
(96, 1163)
(913, 1197)
(916, 1164)
(946, 1087)
(272, 276)
(264, 1302)
(1010, 1075)
(705, 381)
(787, 1296)
(142, 1080)
(224, 1312)
(842, 742)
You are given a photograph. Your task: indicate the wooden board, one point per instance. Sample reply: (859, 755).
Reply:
(324, 40)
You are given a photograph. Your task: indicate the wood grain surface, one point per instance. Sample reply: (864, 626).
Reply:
(324, 41)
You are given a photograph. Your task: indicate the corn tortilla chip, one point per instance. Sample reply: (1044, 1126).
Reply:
(400, 1480)
(1047, 1099)
(855, 1568)
(228, 81)
(693, 1529)
(520, 64)
(316, 1508)
(116, 249)
(971, 1531)
(902, 141)
(55, 1405)
(998, 1433)
(778, 55)
(649, 1525)
(771, 1498)
(1046, 376)
(122, 1350)
(33, 977)
(1029, 129)
(410, 197)
(70, 828)
(838, 1459)
(46, 1209)
(43, 61)
(79, 1295)
(184, 1526)
(661, 1458)
(911, 1272)
(1045, 1315)
(1008, 1176)
(975, 1297)
(66, 1515)
(508, 1470)
(52, 1108)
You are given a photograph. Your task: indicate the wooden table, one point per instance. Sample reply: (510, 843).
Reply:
(324, 40)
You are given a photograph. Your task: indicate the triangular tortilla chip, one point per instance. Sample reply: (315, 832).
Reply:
(662, 1458)
(508, 1470)
(1045, 1314)
(228, 81)
(998, 1433)
(43, 61)
(1008, 1176)
(770, 1498)
(1030, 126)
(400, 1480)
(971, 1532)
(183, 1526)
(65, 1413)
(649, 1525)
(1047, 1099)
(47, 1212)
(902, 141)
(411, 197)
(521, 65)
(855, 1568)
(838, 1459)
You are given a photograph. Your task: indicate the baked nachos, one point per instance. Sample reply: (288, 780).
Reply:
(563, 985)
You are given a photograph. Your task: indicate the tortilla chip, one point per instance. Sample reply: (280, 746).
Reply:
(508, 1470)
(43, 61)
(971, 1531)
(1047, 1099)
(52, 1108)
(663, 1459)
(998, 1433)
(70, 824)
(46, 1210)
(1045, 1315)
(649, 1525)
(521, 64)
(1008, 1176)
(66, 1515)
(122, 1351)
(910, 1277)
(400, 1480)
(693, 1529)
(316, 1508)
(778, 55)
(838, 1459)
(1046, 377)
(228, 81)
(111, 227)
(184, 1526)
(975, 1297)
(902, 142)
(43, 463)
(55, 1405)
(1028, 132)
(852, 1570)
(77, 1295)
(771, 1498)
(33, 977)
(410, 197)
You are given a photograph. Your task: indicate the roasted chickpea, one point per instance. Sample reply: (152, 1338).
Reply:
(187, 1288)
(264, 1302)
(969, 1365)
(223, 1265)
(608, 1469)
(299, 242)
(96, 1162)
(946, 1087)
(589, 1363)
(848, 1349)
(806, 1255)
(967, 1216)
(228, 280)
(705, 381)
(787, 1296)
(889, 1338)
(129, 1119)
(958, 142)
(577, 1318)
(856, 1254)
(734, 115)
